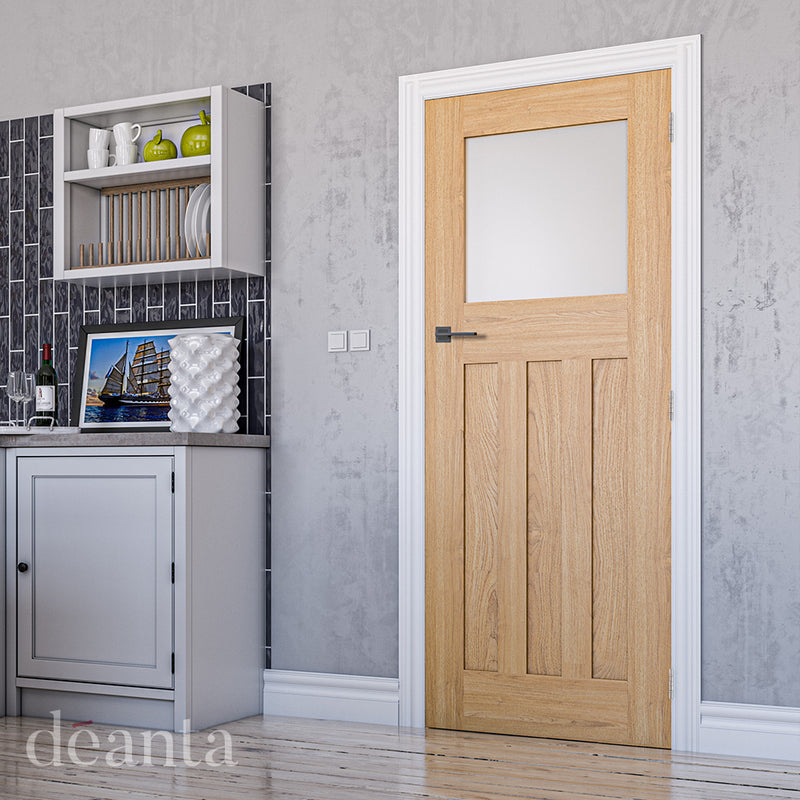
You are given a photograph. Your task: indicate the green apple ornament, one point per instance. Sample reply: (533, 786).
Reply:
(158, 149)
(196, 141)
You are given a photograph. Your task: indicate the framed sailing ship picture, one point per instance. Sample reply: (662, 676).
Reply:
(122, 373)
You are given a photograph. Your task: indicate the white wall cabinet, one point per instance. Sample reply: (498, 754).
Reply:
(130, 602)
(85, 212)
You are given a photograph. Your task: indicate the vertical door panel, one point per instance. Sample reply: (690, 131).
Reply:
(576, 517)
(545, 540)
(609, 524)
(481, 473)
(96, 602)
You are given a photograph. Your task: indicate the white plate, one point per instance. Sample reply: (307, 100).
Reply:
(202, 221)
(199, 225)
(188, 219)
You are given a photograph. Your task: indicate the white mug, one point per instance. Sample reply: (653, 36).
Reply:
(97, 158)
(99, 138)
(127, 154)
(123, 132)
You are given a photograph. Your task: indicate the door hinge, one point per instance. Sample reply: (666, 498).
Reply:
(671, 405)
(671, 684)
(173, 663)
(173, 483)
(173, 572)
(671, 127)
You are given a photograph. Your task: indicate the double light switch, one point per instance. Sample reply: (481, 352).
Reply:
(342, 341)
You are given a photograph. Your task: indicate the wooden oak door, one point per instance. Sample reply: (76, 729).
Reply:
(548, 450)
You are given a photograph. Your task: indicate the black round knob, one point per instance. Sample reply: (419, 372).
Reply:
(22, 566)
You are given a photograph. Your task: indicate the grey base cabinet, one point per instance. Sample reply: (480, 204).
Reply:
(135, 584)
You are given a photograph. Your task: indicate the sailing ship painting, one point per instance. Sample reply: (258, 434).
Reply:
(146, 382)
(128, 381)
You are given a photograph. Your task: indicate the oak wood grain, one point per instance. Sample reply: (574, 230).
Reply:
(578, 559)
(545, 584)
(444, 424)
(512, 546)
(609, 520)
(552, 106)
(576, 518)
(481, 523)
(649, 378)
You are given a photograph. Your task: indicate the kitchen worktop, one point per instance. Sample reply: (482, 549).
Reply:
(71, 437)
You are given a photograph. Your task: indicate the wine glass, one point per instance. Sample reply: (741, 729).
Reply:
(28, 394)
(15, 389)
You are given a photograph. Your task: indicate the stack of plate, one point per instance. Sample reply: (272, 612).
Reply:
(197, 220)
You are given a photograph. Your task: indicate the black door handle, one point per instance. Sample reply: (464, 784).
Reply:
(22, 566)
(443, 333)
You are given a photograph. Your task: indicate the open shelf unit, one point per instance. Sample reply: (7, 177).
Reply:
(84, 213)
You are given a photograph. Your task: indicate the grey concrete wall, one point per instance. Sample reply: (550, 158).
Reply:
(334, 66)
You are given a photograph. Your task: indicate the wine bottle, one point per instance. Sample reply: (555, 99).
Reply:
(46, 388)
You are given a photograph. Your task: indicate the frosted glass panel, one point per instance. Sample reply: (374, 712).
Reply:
(547, 213)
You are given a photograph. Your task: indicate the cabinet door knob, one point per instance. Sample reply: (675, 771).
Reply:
(22, 566)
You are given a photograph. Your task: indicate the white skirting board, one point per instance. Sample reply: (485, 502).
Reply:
(752, 731)
(735, 729)
(317, 695)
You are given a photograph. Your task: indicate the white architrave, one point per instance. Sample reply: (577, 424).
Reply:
(682, 56)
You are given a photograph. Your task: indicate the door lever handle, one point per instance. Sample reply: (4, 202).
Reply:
(443, 333)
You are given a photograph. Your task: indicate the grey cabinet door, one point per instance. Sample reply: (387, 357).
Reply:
(95, 603)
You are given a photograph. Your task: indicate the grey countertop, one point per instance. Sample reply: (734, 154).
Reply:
(71, 437)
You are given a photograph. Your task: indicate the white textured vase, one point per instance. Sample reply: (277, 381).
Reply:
(204, 383)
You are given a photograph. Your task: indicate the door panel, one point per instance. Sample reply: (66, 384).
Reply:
(544, 518)
(609, 545)
(96, 603)
(482, 451)
(547, 452)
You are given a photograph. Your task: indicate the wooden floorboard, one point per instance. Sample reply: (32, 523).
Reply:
(291, 759)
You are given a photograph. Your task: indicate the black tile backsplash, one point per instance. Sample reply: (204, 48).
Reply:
(17, 173)
(222, 291)
(4, 212)
(46, 243)
(46, 172)
(4, 131)
(205, 299)
(31, 209)
(155, 295)
(17, 255)
(32, 144)
(188, 293)
(35, 308)
(138, 304)
(32, 280)
(46, 125)
(3, 281)
(123, 297)
(91, 298)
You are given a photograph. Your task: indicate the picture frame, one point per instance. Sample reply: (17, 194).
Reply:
(122, 373)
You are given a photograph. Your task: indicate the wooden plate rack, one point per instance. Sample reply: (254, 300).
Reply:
(144, 223)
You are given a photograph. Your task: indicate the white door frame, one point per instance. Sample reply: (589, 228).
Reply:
(682, 56)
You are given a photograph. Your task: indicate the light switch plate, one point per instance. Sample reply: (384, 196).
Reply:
(337, 341)
(359, 340)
